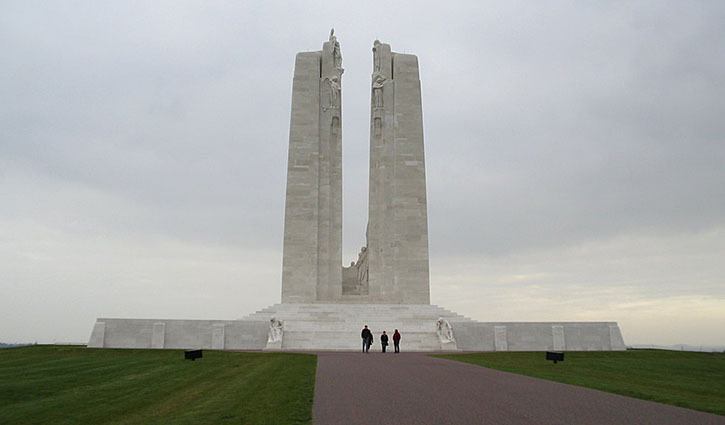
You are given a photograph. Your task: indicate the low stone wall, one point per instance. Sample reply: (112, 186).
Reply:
(179, 334)
(538, 336)
(337, 327)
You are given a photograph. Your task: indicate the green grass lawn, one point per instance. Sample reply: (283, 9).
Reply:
(693, 380)
(76, 385)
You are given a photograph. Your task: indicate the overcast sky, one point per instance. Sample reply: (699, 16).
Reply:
(575, 158)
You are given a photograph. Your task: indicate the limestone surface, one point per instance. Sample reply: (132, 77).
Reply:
(312, 250)
(179, 334)
(397, 234)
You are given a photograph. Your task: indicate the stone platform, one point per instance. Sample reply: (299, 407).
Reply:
(321, 326)
(338, 326)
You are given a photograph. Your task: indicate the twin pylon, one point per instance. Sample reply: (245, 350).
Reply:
(393, 266)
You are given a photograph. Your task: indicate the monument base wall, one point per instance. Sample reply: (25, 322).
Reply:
(538, 336)
(179, 334)
(323, 326)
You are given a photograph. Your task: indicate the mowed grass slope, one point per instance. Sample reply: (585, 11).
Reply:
(692, 380)
(76, 385)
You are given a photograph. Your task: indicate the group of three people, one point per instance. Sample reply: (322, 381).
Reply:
(367, 340)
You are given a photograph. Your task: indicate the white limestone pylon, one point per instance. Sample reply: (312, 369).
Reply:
(312, 250)
(397, 233)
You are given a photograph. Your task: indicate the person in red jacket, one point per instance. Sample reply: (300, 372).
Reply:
(396, 341)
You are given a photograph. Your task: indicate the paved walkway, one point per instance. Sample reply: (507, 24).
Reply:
(410, 388)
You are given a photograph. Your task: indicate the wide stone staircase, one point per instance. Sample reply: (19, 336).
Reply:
(337, 326)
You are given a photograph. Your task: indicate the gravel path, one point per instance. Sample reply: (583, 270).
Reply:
(412, 388)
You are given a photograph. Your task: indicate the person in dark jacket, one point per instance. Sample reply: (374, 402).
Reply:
(367, 338)
(396, 341)
(384, 341)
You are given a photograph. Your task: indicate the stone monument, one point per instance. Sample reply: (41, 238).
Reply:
(325, 305)
(393, 267)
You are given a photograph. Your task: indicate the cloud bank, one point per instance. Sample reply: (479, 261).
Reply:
(575, 158)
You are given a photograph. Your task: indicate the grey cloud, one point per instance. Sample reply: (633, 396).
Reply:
(547, 125)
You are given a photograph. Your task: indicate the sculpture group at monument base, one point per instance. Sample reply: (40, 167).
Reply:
(320, 326)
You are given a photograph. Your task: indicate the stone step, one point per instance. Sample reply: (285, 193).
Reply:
(355, 307)
(348, 341)
(375, 327)
(371, 314)
(353, 323)
(356, 334)
(358, 314)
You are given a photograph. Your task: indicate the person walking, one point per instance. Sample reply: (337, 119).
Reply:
(384, 341)
(367, 339)
(396, 341)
